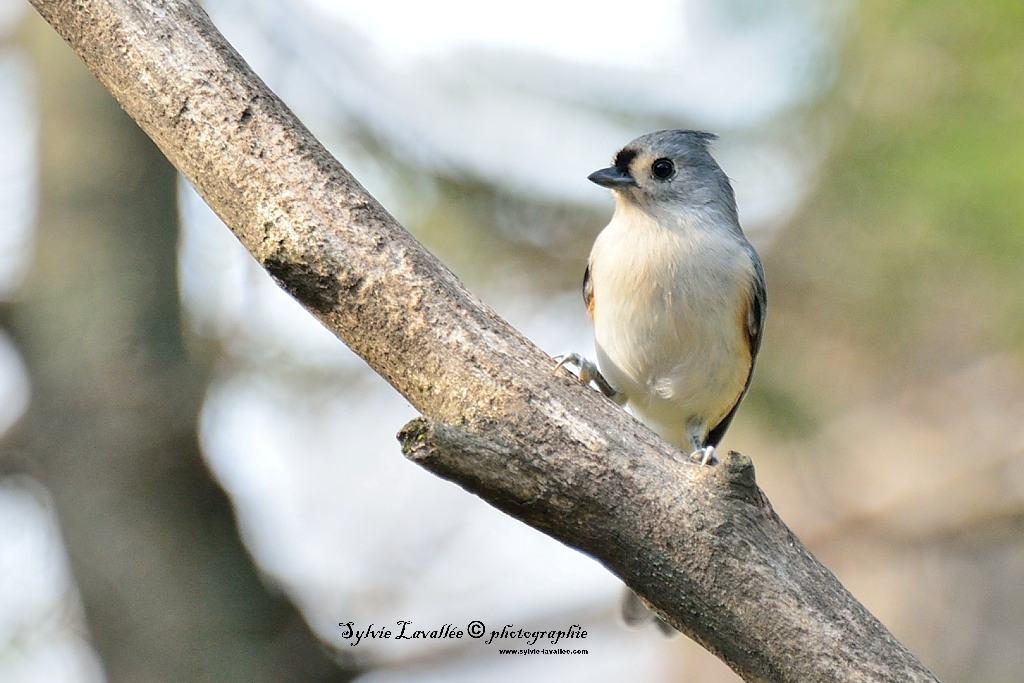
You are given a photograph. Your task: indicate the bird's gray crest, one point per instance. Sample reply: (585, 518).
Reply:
(687, 144)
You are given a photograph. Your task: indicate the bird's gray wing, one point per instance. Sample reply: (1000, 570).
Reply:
(757, 308)
(588, 292)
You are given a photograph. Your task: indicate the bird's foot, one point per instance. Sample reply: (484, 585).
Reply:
(589, 374)
(705, 455)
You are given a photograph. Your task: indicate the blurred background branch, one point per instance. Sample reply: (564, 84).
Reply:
(168, 590)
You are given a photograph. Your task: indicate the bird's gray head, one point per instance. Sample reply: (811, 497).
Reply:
(669, 170)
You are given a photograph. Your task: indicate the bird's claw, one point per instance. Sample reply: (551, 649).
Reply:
(705, 455)
(588, 373)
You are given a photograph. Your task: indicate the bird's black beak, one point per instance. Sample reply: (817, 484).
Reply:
(612, 178)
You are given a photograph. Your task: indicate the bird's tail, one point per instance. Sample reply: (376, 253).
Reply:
(635, 614)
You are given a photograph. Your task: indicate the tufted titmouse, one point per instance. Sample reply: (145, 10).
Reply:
(676, 293)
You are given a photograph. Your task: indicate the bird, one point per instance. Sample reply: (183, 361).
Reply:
(675, 291)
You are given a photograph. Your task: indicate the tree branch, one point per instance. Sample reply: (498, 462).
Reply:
(702, 544)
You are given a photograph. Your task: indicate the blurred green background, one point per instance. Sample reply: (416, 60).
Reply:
(886, 418)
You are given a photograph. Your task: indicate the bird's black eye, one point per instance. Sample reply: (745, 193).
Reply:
(663, 169)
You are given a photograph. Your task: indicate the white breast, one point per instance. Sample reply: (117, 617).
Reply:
(670, 318)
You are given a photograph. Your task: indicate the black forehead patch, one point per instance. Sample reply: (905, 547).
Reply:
(623, 159)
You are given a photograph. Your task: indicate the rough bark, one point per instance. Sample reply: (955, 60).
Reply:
(702, 544)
